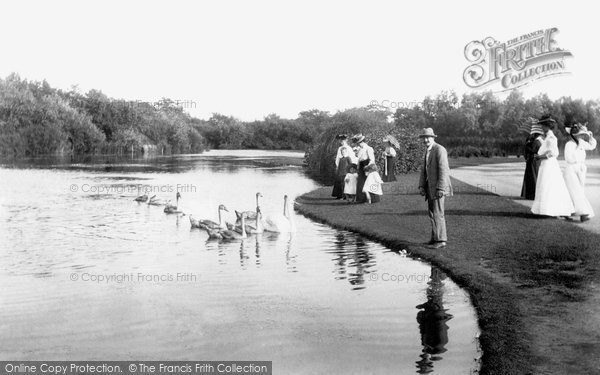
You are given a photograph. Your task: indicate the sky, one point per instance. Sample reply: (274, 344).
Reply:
(249, 59)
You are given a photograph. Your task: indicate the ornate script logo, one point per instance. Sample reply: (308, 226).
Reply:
(514, 63)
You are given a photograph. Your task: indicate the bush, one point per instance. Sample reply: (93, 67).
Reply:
(320, 157)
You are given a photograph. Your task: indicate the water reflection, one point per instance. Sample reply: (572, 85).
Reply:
(432, 319)
(307, 298)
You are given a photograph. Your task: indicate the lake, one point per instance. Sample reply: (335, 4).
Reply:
(87, 273)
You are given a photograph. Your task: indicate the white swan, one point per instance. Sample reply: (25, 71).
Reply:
(172, 209)
(203, 224)
(280, 223)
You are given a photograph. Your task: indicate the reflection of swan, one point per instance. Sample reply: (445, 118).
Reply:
(250, 215)
(172, 209)
(280, 223)
(209, 224)
(290, 260)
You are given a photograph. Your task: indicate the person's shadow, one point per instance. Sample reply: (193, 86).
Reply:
(432, 318)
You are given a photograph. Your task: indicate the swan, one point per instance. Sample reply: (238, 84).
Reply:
(213, 234)
(142, 198)
(251, 215)
(258, 226)
(233, 235)
(280, 223)
(153, 201)
(172, 209)
(203, 224)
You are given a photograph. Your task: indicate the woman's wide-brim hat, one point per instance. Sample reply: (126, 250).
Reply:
(358, 138)
(546, 120)
(427, 132)
(578, 130)
(391, 140)
(341, 137)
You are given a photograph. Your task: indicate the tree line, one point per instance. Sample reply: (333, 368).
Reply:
(481, 124)
(36, 119)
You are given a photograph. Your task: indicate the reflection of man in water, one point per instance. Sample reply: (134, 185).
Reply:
(432, 323)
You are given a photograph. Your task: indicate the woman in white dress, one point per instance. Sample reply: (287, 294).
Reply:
(581, 141)
(551, 195)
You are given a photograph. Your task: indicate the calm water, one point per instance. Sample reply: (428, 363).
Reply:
(89, 274)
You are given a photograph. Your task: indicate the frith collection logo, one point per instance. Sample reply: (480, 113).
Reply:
(514, 63)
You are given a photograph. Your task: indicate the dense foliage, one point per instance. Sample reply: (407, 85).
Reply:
(480, 124)
(374, 125)
(36, 119)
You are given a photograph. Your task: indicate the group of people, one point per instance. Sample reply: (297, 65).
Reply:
(357, 178)
(556, 193)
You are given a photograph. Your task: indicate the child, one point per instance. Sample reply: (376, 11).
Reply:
(372, 187)
(350, 183)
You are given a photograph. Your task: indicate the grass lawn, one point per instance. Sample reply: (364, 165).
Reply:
(530, 279)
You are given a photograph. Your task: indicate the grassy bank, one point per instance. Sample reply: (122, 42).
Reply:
(530, 279)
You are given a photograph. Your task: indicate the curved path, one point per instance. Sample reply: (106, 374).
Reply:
(506, 179)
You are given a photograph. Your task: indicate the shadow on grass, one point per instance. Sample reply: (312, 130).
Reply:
(423, 212)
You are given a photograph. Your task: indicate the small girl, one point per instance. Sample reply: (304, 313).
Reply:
(350, 183)
(372, 187)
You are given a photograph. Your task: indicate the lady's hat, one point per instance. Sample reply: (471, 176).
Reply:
(536, 129)
(391, 140)
(546, 120)
(352, 166)
(427, 132)
(358, 138)
(579, 130)
(341, 137)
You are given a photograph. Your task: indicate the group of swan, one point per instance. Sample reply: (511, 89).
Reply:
(248, 222)
(153, 201)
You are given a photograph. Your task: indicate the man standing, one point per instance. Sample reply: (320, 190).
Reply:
(435, 185)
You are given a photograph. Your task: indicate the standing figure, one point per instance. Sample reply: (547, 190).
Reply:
(389, 158)
(372, 187)
(343, 152)
(342, 168)
(435, 185)
(551, 195)
(575, 172)
(532, 164)
(366, 156)
(350, 184)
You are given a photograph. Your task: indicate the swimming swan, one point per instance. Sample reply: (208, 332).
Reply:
(250, 215)
(172, 209)
(280, 223)
(203, 224)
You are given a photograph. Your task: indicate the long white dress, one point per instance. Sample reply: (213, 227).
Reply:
(575, 173)
(551, 195)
